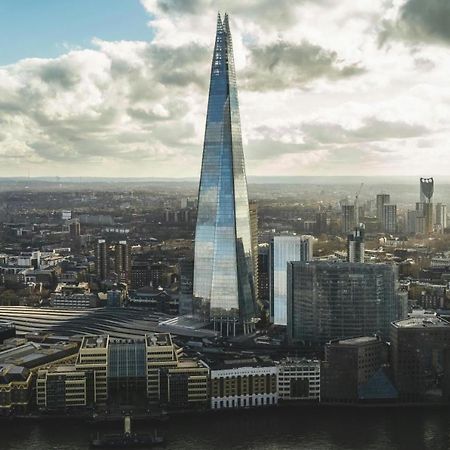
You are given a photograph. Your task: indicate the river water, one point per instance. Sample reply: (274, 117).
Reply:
(284, 428)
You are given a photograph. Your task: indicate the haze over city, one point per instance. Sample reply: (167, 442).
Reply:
(117, 88)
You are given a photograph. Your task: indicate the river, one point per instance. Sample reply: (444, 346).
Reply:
(283, 428)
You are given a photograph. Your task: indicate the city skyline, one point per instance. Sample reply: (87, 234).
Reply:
(107, 101)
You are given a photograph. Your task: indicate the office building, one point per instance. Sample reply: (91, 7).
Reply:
(348, 218)
(223, 260)
(298, 379)
(74, 229)
(420, 358)
(64, 388)
(355, 245)
(240, 385)
(186, 271)
(263, 273)
(390, 218)
(339, 300)
(101, 259)
(382, 199)
(282, 250)
(254, 238)
(355, 370)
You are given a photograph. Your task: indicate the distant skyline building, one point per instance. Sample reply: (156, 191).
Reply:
(223, 262)
(122, 261)
(282, 250)
(355, 245)
(382, 199)
(348, 217)
(441, 217)
(390, 218)
(101, 260)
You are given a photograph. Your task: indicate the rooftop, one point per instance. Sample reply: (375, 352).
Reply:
(94, 342)
(422, 322)
(160, 339)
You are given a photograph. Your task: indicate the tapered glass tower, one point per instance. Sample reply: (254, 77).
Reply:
(223, 279)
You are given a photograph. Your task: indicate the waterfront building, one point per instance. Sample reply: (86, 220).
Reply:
(16, 385)
(338, 300)
(173, 380)
(355, 245)
(420, 358)
(93, 357)
(223, 262)
(390, 218)
(63, 388)
(282, 250)
(298, 379)
(239, 385)
(354, 370)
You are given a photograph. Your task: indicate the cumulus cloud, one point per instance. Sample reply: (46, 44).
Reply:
(420, 21)
(317, 93)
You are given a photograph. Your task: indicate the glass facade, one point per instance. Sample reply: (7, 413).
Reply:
(332, 300)
(282, 250)
(223, 278)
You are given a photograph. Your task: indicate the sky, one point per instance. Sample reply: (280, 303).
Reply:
(118, 88)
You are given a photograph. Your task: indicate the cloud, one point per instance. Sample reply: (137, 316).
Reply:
(284, 64)
(317, 93)
(419, 21)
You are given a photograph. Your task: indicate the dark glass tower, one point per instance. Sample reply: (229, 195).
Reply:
(223, 278)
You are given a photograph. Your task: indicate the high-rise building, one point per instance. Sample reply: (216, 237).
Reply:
(420, 358)
(441, 217)
(339, 300)
(74, 228)
(390, 218)
(223, 260)
(254, 238)
(282, 250)
(101, 260)
(411, 220)
(426, 190)
(348, 217)
(122, 261)
(186, 270)
(382, 199)
(355, 245)
(263, 273)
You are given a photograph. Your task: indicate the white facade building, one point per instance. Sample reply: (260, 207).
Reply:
(282, 250)
(244, 387)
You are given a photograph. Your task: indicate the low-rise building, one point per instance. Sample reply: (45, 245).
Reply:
(243, 386)
(298, 379)
(16, 383)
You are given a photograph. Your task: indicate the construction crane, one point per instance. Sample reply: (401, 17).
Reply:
(356, 204)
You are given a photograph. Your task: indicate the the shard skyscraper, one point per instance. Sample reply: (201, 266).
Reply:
(223, 278)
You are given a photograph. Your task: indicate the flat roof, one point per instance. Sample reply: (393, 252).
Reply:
(159, 339)
(422, 322)
(94, 342)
